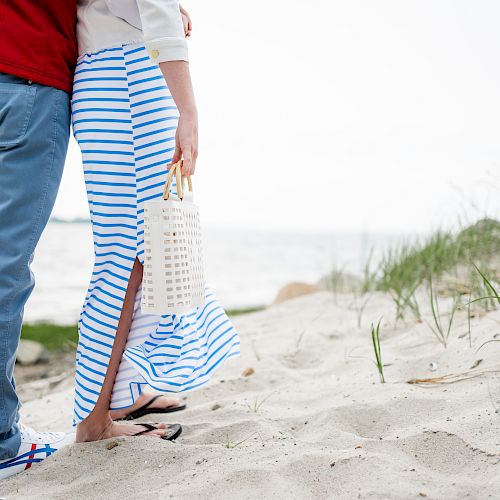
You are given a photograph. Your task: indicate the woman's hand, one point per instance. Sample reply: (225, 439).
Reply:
(186, 142)
(186, 21)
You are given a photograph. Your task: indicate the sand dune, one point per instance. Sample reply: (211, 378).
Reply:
(312, 421)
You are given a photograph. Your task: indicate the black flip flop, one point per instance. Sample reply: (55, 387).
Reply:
(146, 410)
(173, 431)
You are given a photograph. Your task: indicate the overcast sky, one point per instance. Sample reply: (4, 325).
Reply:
(341, 115)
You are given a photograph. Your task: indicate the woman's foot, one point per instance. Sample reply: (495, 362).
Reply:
(160, 403)
(96, 429)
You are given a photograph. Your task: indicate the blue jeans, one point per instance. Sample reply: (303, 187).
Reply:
(34, 133)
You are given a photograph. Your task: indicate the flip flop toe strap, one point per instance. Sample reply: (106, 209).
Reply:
(143, 410)
(139, 410)
(149, 428)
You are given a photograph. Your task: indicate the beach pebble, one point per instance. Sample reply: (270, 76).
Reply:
(30, 352)
(433, 366)
(111, 444)
(476, 363)
(247, 372)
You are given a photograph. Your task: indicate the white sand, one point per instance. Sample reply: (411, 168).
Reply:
(325, 427)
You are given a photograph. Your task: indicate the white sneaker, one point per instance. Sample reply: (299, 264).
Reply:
(35, 446)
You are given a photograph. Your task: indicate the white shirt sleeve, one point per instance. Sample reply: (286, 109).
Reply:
(163, 30)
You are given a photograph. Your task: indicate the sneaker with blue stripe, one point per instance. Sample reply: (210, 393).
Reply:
(35, 446)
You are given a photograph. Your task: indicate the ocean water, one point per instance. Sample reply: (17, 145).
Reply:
(244, 267)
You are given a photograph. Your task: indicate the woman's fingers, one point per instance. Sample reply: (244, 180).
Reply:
(187, 142)
(189, 161)
(188, 153)
(186, 21)
(187, 164)
(177, 153)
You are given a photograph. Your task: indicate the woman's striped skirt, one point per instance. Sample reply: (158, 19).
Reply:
(124, 120)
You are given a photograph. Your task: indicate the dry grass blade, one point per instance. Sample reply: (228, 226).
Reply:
(451, 378)
(230, 444)
(485, 343)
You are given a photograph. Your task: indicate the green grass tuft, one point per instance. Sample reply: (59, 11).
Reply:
(377, 351)
(244, 310)
(441, 333)
(53, 337)
(488, 286)
(404, 269)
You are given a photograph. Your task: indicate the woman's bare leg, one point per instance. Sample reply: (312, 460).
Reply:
(99, 424)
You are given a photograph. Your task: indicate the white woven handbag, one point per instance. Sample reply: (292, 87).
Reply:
(173, 280)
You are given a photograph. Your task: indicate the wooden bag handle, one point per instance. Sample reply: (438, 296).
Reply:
(176, 169)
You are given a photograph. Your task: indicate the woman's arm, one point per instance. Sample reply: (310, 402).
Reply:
(178, 79)
(165, 39)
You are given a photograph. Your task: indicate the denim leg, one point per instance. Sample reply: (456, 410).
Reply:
(34, 132)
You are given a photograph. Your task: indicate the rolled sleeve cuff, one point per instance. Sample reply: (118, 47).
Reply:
(167, 49)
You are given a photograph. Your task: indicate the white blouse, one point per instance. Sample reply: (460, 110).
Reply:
(158, 24)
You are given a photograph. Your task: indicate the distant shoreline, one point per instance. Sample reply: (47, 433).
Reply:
(282, 232)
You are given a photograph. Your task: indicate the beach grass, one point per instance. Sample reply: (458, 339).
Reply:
(230, 444)
(255, 407)
(377, 352)
(445, 257)
(441, 332)
(412, 263)
(53, 337)
(405, 267)
(491, 290)
(461, 265)
(244, 310)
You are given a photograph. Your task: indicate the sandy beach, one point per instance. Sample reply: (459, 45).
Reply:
(347, 204)
(302, 414)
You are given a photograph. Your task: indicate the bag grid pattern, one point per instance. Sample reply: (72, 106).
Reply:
(173, 281)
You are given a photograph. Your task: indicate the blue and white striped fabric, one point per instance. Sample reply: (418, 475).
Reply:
(124, 120)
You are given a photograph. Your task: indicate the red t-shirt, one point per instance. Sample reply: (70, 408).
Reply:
(38, 41)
